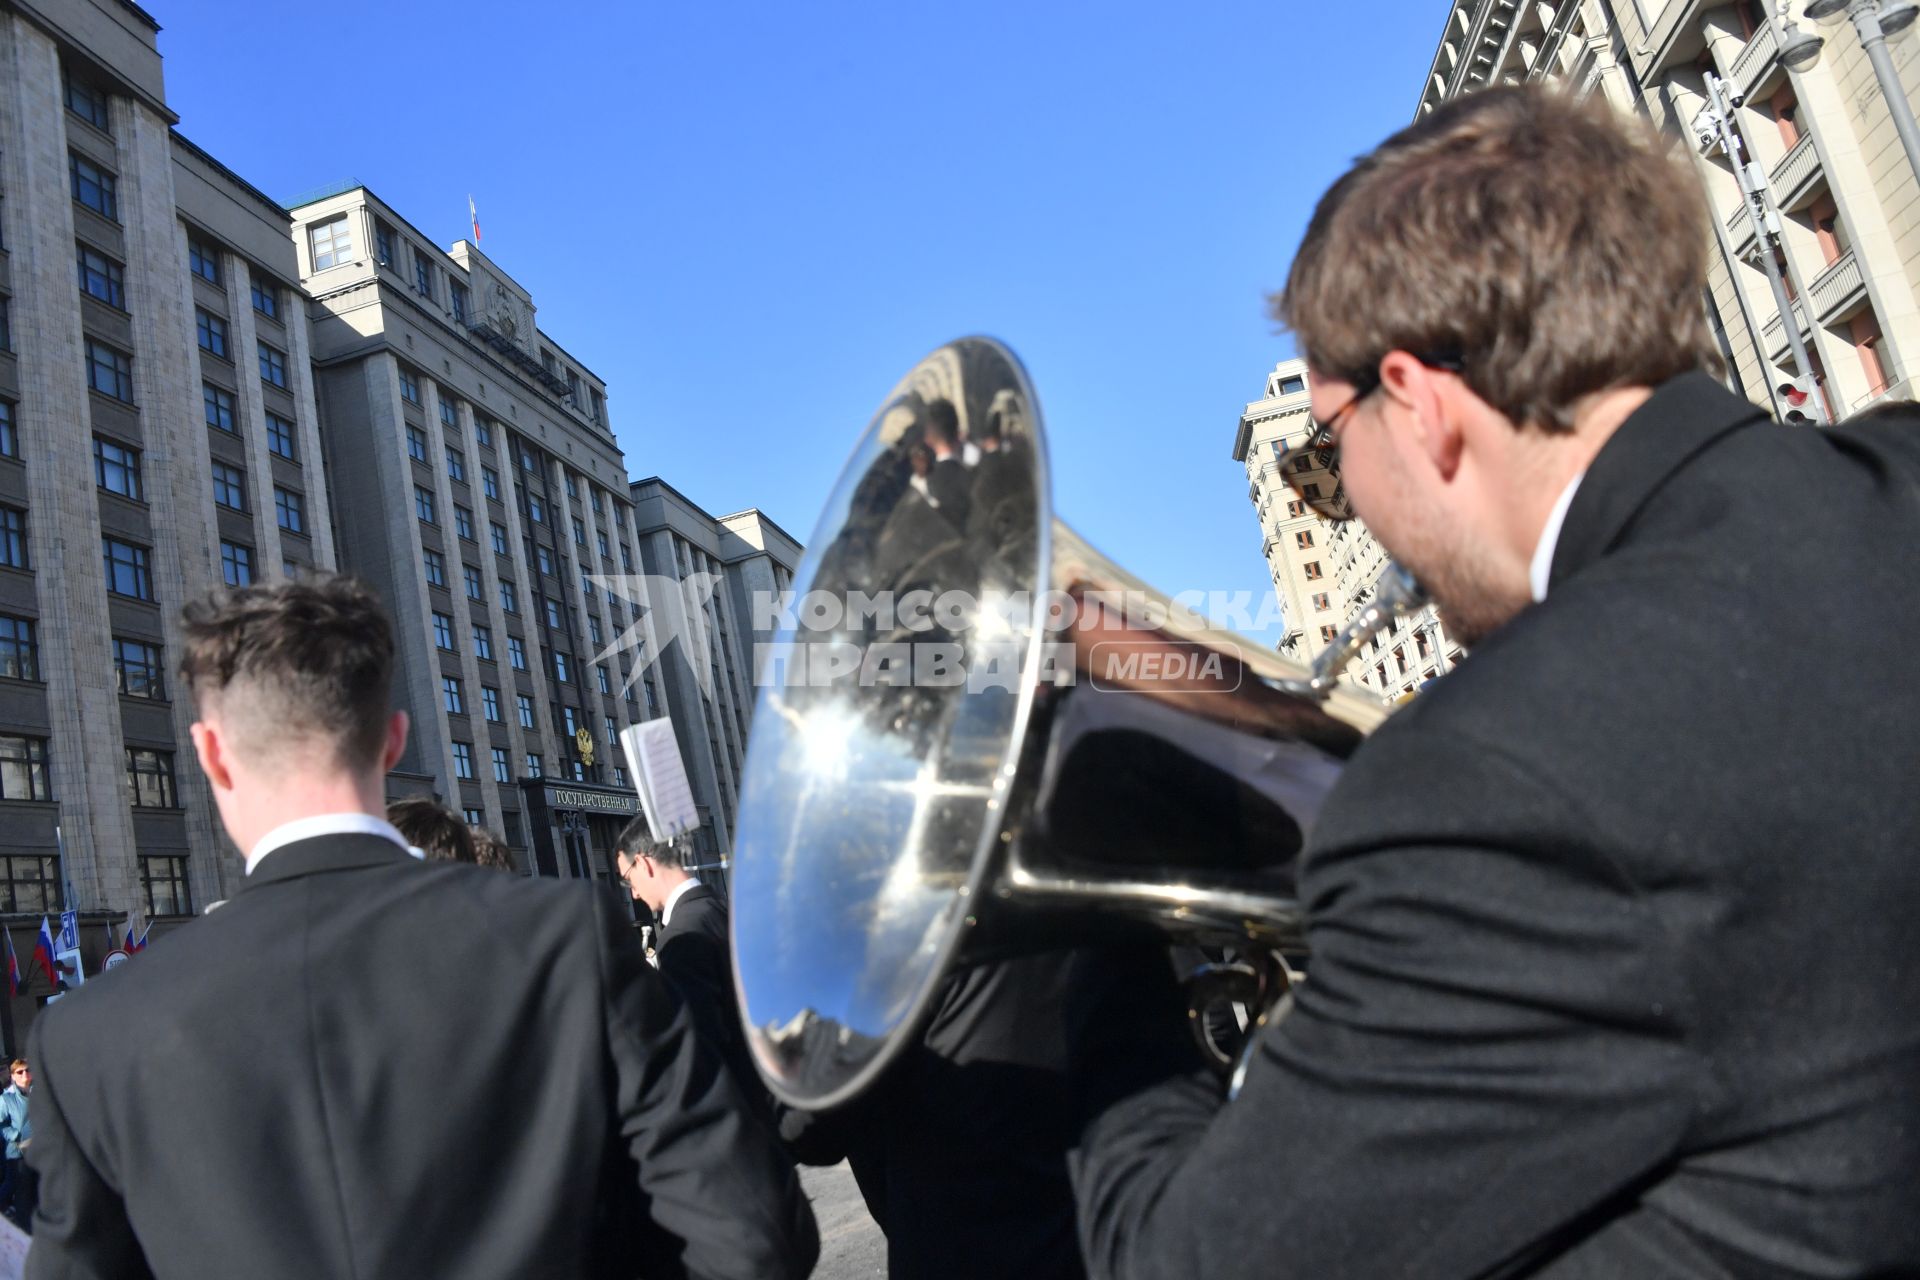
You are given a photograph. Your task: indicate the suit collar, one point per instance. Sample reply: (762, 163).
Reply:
(1680, 419)
(342, 852)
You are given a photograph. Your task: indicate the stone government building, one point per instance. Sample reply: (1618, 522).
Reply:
(199, 385)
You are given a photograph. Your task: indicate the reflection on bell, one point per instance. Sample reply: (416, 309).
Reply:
(939, 769)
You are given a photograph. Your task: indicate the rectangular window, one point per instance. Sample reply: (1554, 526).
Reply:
(490, 483)
(409, 387)
(573, 388)
(457, 300)
(236, 564)
(280, 437)
(456, 465)
(560, 671)
(525, 706)
(606, 679)
(593, 630)
(509, 597)
(138, 669)
(110, 372)
(613, 731)
(101, 277)
(436, 566)
(498, 532)
(331, 242)
(544, 559)
(502, 768)
(471, 577)
(416, 444)
(463, 760)
(451, 696)
(150, 774)
(229, 487)
(448, 417)
(13, 537)
(579, 532)
(423, 504)
(475, 817)
(599, 411)
(9, 442)
(535, 767)
(619, 776)
(586, 584)
(164, 877)
(19, 648)
(626, 558)
(273, 365)
(219, 407)
(266, 296)
(116, 468)
(443, 632)
(422, 273)
(516, 653)
(573, 484)
(213, 332)
(291, 509)
(86, 102)
(490, 703)
(1303, 538)
(128, 571)
(463, 522)
(1296, 507)
(203, 260)
(32, 883)
(1320, 602)
(1312, 570)
(552, 608)
(600, 537)
(536, 512)
(23, 769)
(93, 186)
(383, 243)
(482, 431)
(1327, 634)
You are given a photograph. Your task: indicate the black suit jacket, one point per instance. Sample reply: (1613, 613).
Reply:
(368, 1066)
(695, 958)
(1614, 967)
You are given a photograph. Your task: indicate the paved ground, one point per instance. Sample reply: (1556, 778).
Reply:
(851, 1246)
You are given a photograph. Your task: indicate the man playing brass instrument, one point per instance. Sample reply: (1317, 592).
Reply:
(1613, 971)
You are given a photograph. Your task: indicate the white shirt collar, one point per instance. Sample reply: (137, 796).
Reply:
(324, 824)
(1542, 567)
(679, 891)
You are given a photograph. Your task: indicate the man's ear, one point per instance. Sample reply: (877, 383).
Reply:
(212, 750)
(396, 741)
(1430, 400)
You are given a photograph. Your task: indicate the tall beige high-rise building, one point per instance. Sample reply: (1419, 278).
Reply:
(1324, 573)
(1839, 203)
(158, 437)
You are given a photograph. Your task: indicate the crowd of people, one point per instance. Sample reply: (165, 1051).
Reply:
(1611, 966)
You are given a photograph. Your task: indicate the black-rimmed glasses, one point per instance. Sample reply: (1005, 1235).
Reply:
(1312, 470)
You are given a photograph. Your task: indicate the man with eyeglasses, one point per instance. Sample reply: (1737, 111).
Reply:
(1613, 970)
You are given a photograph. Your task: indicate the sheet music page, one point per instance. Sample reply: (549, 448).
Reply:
(660, 776)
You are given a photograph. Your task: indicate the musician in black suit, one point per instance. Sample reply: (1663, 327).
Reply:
(1612, 940)
(368, 1065)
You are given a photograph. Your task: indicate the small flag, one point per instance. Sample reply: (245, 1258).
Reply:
(127, 945)
(43, 954)
(474, 214)
(142, 944)
(13, 964)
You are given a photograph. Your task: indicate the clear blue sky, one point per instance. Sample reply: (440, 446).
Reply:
(750, 220)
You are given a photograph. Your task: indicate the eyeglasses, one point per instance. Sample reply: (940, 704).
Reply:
(1320, 451)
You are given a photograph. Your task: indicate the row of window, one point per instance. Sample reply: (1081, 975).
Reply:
(31, 884)
(26, 775)
(220, 416)
(110, 370)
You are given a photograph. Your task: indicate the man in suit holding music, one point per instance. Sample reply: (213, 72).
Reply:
(330, 1075)
(1612, 944)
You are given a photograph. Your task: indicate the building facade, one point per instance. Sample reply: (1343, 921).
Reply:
(479, 490)
(1838, 201)
(1323, 573)
(158, 437)
(708, 677)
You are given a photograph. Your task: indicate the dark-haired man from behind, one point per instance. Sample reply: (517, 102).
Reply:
(1612, 943)
(331, 1076)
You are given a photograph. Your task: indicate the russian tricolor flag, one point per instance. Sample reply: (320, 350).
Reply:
(43, 954)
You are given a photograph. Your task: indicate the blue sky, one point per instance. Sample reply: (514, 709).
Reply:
(750, 220)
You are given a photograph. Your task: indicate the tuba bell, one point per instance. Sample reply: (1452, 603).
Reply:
(977, 735)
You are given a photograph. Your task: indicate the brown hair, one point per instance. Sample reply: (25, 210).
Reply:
(286, 664)
(434, 829)
(489, 850)
(1552, 246)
